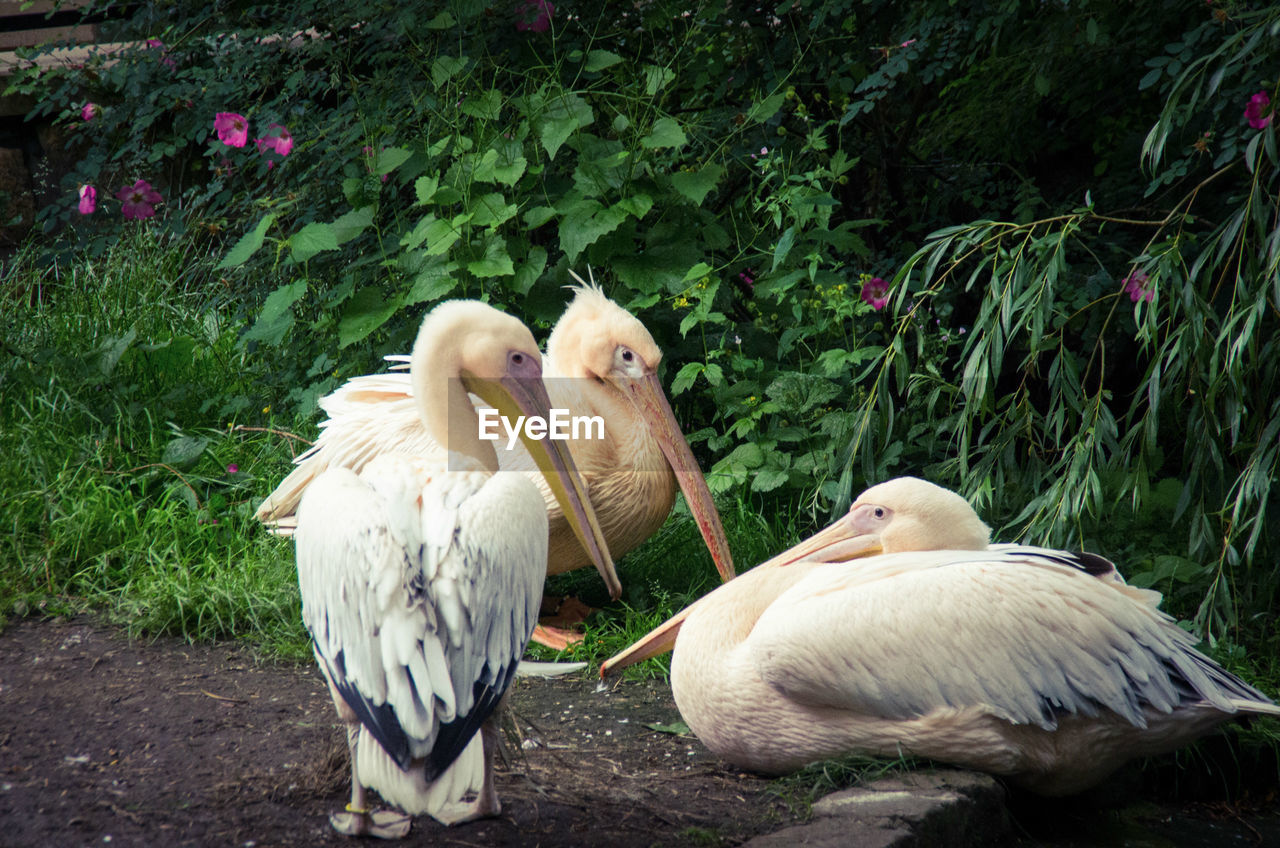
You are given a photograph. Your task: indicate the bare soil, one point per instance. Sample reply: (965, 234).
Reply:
(107, 741)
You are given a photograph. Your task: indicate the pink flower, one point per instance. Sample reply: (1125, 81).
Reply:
(233, 129)
(1258, 104)
(1135, 285)
(232, 468)
(88, 199)
(139, 200)
(875, 292)
(541, 21)
(89, 111)
(165, 58)
(281, 142)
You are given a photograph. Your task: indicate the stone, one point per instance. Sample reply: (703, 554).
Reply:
(946, 808)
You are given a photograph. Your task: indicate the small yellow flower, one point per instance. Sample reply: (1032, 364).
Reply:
(265, 410)
(682, 302)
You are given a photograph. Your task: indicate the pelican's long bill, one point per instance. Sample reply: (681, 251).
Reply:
(514, 395)
(838, 542)
(646, 393)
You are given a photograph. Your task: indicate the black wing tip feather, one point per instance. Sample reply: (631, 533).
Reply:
(454, 737)
(379, 719)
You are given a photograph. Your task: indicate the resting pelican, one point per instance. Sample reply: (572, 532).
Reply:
(421, 577)
(601, 361)
(1039, 665)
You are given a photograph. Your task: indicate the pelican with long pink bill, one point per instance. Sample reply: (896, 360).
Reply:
(899, 629)
(600, 361)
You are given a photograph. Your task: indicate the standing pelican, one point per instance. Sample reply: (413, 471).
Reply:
(421, 577)
(1040, 665)
(601, 361)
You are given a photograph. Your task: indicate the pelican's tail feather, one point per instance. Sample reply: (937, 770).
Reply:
(407, 789)
(529, 668)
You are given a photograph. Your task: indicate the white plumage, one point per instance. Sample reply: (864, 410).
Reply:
(601, 361)
(421, 577)
(1037, 664)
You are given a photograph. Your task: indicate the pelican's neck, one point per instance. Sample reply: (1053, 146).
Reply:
(444, 405)
(726, 617)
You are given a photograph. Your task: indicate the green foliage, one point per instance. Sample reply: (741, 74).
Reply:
(118, 494)
(736, 177)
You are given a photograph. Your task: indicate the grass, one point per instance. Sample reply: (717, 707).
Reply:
(123, 493)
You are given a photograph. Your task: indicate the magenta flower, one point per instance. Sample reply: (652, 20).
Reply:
(88, 199)
(232, 468)
(280, 141)
(541, 21)
(875, 292)
(1258, 104)
(233, 129)
(1135, 285)
(89, 111)
(139, 200)
(165, 58)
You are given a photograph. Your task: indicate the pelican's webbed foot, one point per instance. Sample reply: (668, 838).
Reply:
(383, 824)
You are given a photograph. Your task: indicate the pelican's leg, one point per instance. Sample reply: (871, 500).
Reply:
(358, 819)
(486, 803)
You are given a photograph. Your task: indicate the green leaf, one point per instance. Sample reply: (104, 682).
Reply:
(438, 234)
(276, 316)
(1042, 84)
(389, 159)
(537, 216)
(637, 206)
(765, 109)
(768, 479)
(444, 20)
(686, 377)
(676, 728)
(565, 115)
(247, 245)
(598, 60)
(666, 132)
(529, 272)
(696, 185)
(698, 271)
(312, 239)
(783, 247)
(352, 224)
(367, 310)
(584, 223)
(432, 282)
(656, 79)
(504, 167)
(487, 106)
(183, 452)
(446, 68)
(496, 262)
(425, 188)
(491, 210)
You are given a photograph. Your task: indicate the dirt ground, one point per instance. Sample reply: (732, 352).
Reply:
(108, 741)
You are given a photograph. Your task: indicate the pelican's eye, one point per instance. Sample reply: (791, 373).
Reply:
(517, 359)
(879, 513)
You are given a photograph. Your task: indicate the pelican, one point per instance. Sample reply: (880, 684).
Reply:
(1039, 665)
(421, 576)
(601, 361)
